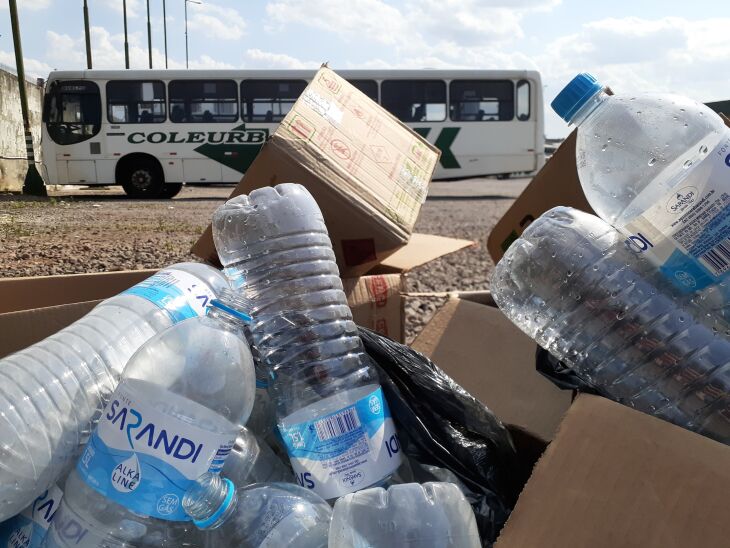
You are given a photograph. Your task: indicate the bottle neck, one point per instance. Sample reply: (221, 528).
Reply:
(584, 112)
(210, 501)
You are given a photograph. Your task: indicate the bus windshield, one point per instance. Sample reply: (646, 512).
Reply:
(72, 111)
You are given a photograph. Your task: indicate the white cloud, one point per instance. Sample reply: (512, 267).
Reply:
(107, 51)
(134, 7)
(216, 21)
(33, 67)
(669, 55)
(256, 58)
(354, 20)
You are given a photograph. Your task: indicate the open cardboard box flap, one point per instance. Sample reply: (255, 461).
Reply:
(477, 346)
(616, 477)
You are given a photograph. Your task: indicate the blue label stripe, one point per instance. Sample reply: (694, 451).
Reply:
(100, 461)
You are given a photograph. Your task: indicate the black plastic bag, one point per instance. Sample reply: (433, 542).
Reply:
(560, 374)
(440, 424)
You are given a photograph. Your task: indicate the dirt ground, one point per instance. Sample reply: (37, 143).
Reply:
(97, 230)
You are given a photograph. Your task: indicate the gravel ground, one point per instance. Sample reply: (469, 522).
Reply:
(96, 230)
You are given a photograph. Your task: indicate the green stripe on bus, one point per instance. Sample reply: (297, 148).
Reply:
(422, 131)
(443, 142)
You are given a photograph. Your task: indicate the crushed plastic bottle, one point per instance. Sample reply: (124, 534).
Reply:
(332, 414)
(263, 515)
(429, 515)
(172, 418)
(28, 529)
(253, 461)
(657, 167)
(52, 392)
(571, 283)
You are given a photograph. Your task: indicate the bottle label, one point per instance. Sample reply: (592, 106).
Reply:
(179, 293)
(28, 529)
(687, 232)
(348, 450)
(68, 530)
(143, 457)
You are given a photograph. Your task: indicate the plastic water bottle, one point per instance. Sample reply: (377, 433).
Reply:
(253, 461)
(52, 392)
(657, 168)
(571, 283)
(29, 528)
(429, 515)
(332, 414)
(172, 418)
(263, 515)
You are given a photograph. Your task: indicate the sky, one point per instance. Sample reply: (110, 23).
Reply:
(633, 45)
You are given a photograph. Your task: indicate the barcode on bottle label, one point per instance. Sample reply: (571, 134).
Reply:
(337, 425)
(718, 258)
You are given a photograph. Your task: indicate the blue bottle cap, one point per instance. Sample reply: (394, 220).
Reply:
(576, 94)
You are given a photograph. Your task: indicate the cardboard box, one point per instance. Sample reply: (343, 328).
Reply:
(616, 477)
(34, 308)
(477, 346)
(368, 171)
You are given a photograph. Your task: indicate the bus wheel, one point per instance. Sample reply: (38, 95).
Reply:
(170, 190)
(142, 179)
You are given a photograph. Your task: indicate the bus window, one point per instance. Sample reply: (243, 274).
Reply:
(203, 101)
(269, 100)
(523, 100)
(368, 87)
(130, 102)
(415, 100)
(481, 100)
(72, 111)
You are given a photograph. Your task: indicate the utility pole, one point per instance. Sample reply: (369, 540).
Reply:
(186, 29)
(88, 35)
(164, 28)
(149, 33)
(126, 42)
(33, 183)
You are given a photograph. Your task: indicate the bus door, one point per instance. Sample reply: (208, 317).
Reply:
(72, 117)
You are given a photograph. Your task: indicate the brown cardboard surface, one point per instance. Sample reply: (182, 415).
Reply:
(368, 172)
(556, 184)
(421, 249)
(25, 327)
(376, 303)
(492, 359)
(616, 477)
(43, 291)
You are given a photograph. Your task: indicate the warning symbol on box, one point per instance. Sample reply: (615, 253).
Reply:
(380, 154)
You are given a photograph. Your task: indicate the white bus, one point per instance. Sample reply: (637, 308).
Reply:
(153, 130)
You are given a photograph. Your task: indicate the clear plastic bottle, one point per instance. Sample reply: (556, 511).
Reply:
(262, 515)
(29, 528)
(172, 418)
(332, 415)
(52, 392)
(571, 283)
(253, 461)
(657, 168)
(429, 515)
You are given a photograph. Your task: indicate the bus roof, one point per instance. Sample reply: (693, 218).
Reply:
(373, 74)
